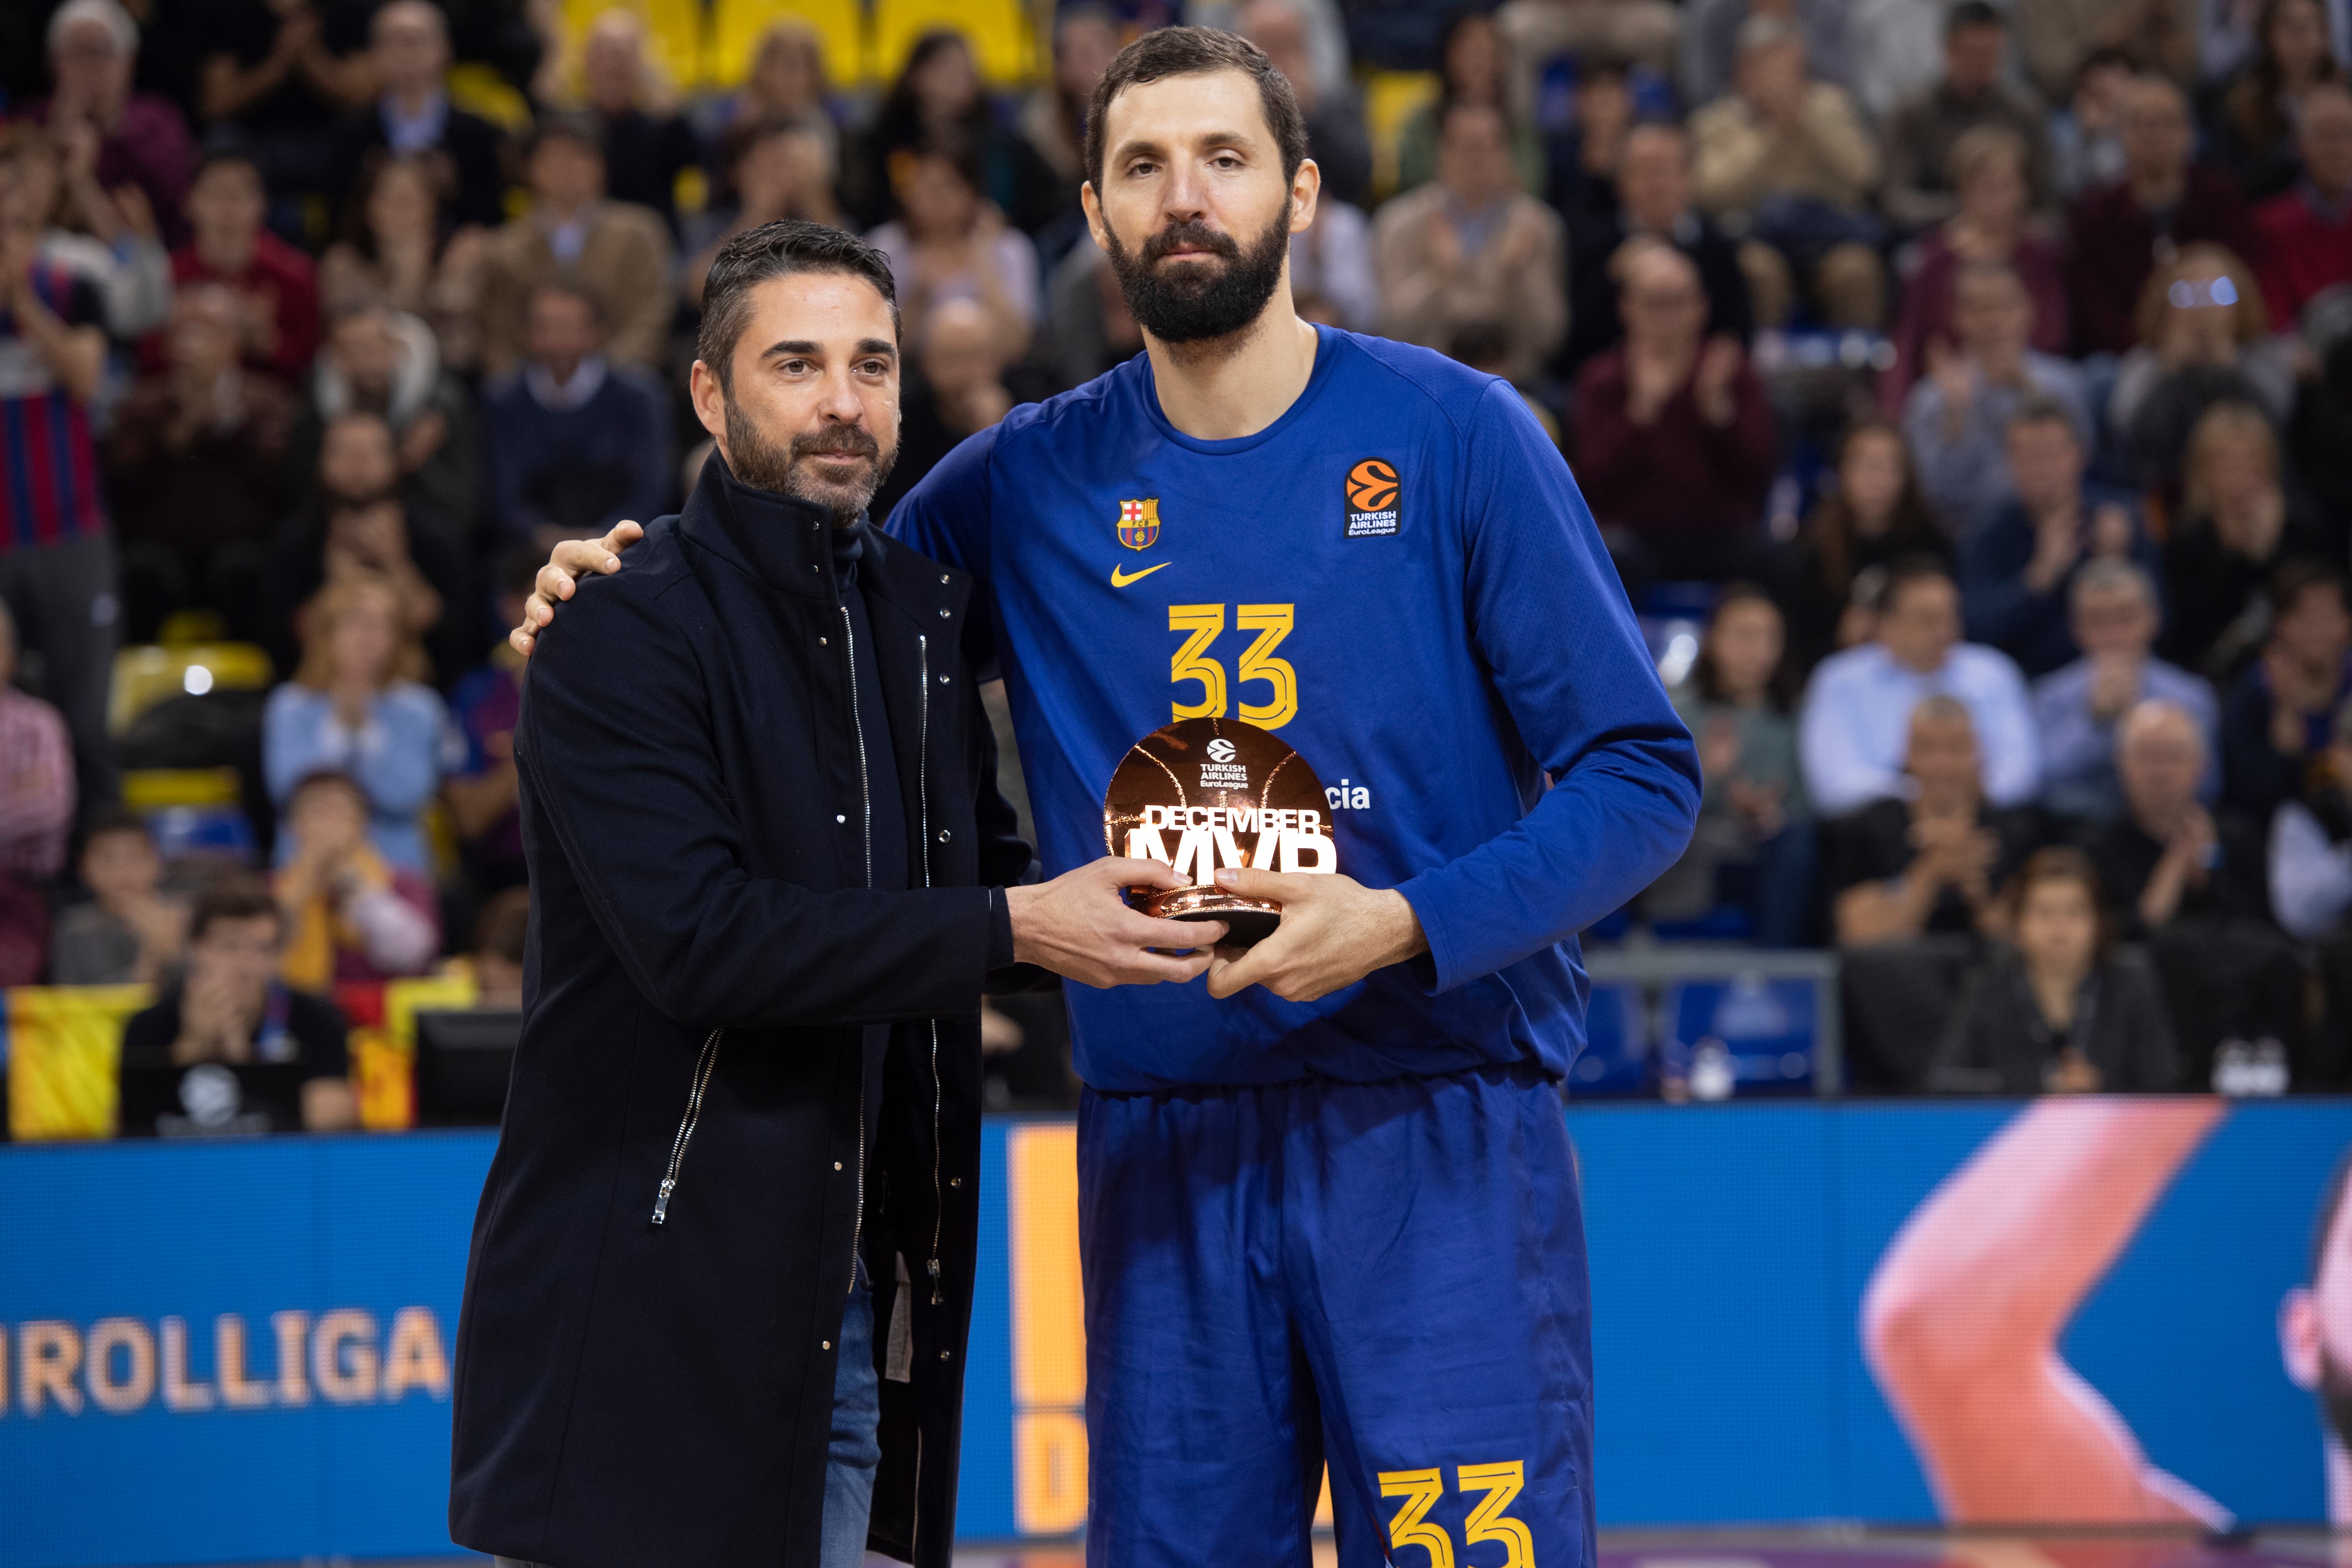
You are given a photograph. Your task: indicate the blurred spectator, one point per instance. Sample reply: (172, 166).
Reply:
(2255, 127)
(1054, 115)
(2060, 1012)
(274, 283)
(392, 251)
(1993, 223)
(1651, 200)
(351, 914)
(2018, 569)
(2238, 525)
(2277, 720)
(1332, 262)
(412, 119)
(231, 1050)
(195, 465)
(2204, 338)
(1871, 515)
(949, 243)
(1754, 843)
(500, 937)
(774, 169)
(2113, 616)
(618, 252)
(1336, 138)
(787, 82)
(939, 94)
(1674, 443)
(385, 362)
(109, 238)
(114, 135)
(356, 705)
(1958, 415)
(356, 526)
(1934, 859)
(1472, 247)
(2165, 860)
(1470, 70)
(2305, 234)
(1923, 179)
(1089, 328)
(57, 567)
(2086, 147)
(1537, 33)
(1895, 52)
(575, 443)
(1583, 164)
(36, 781)
(2319, 433)
(129, 933)
(957, 389)
(2310, 851)
(2055, 37)
(282, 73)
(1854, 728)
(1793, 156)
(2162, 203)
(484, 791)
(647, 143)
(1710, 44)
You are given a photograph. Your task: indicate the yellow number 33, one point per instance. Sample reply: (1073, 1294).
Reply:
(1422, 1488)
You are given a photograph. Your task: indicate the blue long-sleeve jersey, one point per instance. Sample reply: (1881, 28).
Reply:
(1399, 578)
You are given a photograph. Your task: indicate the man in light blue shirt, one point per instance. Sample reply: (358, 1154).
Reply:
(2076, 707)
(1857, 711)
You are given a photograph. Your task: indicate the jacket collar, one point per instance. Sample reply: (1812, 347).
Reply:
(785, 543)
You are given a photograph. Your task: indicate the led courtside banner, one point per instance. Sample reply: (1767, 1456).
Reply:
(2082, 1310)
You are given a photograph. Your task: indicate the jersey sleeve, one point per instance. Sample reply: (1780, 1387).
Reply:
(946, 517)
(1553, 626)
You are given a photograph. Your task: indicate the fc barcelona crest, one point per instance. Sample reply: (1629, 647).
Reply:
(1139, 523)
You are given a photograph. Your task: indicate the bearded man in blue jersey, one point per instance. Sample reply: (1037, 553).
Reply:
(1328, 1208)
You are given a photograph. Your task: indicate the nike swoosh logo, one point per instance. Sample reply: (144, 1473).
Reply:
(1120, 579)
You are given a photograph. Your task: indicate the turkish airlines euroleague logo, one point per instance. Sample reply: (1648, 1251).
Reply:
(1372, 491)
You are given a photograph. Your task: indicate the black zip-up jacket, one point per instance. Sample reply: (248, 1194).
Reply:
(713, 998)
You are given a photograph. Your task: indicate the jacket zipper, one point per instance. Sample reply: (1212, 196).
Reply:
(704, 1064)
(865, 789)
(923, 819)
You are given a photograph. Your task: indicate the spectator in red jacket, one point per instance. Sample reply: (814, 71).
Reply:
(276, 282)
(2163, 202)
(2307, 232)
(1674, 440)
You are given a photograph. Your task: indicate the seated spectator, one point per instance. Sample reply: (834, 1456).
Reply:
(949, 242)
(775, 169)
(938, 93)
(123, 137)
(957, 389)
(1710, 48)
(2162, 203)
(2086, 146)
(37, 783)
(1922, 187)
(1935, 861)
(2305, 233)
(2058, 37)
(1089, 328)
(1651, 200)
(1958, 416)
(1854, 727)
(357, 526)
(1994, 223)
(500, 936)
(275, 284)
(277, 78)
(1336, 138)
(618, 253)
(232, 1051)
(195, 465)
(2113, 616)
(1054, 116)
(575, 443)
(2060, 1012)
(129, 933)
(109, 238)
(484, 791)
(1470, 70)
(386, 363)
(2255, 126)
(1585, 161)
(352, 915)
(1472, 247)
(1673, 444)
(1793, 155)
(412, 118)
(2164, 859)
(1870, 516)
(2018, 570)
(647, 143)
(787, 83)
(392, 251)
(2310, 851)
(1754, 843)
(356, 705)
(2278, 719)
(2238, 525)
(2204, 338)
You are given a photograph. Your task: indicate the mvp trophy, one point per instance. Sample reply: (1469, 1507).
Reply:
(1205, 793)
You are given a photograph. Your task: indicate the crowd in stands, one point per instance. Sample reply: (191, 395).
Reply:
(1972, 382)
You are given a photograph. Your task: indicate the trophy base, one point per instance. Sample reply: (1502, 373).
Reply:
(1248, 921)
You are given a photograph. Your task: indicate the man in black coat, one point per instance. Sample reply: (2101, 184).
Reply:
(721, 1273)
(409, 47)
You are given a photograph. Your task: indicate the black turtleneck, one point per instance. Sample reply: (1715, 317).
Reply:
(887, 806)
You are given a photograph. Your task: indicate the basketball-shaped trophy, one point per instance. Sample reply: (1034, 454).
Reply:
(1205, 794)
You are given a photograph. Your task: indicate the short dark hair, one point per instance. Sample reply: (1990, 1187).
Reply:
(2300, 575)
(1450, 105)
(108, 820)
(565, 125)
(1906, 570)
(1197, 51)
(2061, 863)
(778, 249)
(569, 288)
(324, 778)
(2040, 410)
(235, 898)
(223, 154)
(1970, 14)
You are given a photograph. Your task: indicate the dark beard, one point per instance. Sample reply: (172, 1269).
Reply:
(765, 466)
(1200, 302)
(2335, 1398)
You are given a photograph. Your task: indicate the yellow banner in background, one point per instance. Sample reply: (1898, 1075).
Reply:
(65, 1045)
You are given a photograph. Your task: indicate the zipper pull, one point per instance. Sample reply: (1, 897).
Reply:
(936, 1300)
(661, 1201)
